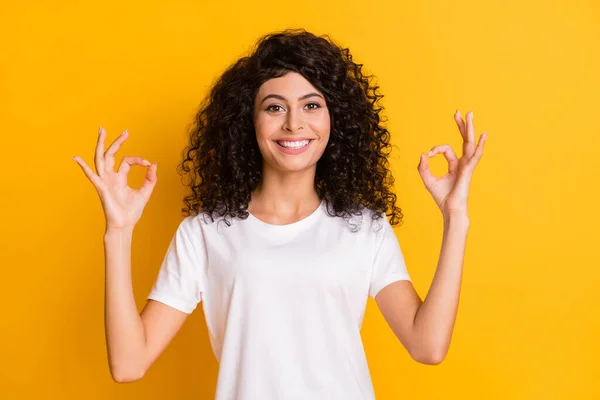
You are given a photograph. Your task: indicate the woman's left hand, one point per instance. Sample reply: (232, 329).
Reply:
(451, 191)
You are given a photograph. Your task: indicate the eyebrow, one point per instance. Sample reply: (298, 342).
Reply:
(280, 97)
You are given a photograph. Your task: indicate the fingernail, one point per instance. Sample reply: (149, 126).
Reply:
(100, 130)
(429, 154)
(146, 162)
(125, 132)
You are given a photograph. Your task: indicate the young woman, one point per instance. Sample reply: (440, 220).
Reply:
(286, 233)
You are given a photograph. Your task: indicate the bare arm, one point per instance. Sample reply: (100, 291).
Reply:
(425, 327)
(134, 341)
(125, 335)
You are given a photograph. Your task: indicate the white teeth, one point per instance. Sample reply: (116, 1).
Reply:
(294, 145)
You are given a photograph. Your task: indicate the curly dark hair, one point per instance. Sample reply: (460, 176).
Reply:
(223, 160)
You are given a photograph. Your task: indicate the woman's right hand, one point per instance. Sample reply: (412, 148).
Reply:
(123, 206)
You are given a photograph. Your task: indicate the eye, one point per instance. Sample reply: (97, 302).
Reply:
(270, 108)
(316, 105)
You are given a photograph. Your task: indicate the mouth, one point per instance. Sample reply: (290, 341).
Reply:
(293, 147)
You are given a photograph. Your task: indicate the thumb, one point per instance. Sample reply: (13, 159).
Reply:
(424, 170)
(151, 179)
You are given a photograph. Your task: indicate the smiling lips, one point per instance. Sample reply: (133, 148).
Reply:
(293, 146)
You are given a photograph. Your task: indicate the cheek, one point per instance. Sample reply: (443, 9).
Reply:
(262, 128)
(322, 126)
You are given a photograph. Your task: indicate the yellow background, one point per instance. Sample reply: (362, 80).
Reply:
(528, 322)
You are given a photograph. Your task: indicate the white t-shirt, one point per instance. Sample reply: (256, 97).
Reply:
(284, 304)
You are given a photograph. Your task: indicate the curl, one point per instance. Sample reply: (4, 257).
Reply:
(223, 163)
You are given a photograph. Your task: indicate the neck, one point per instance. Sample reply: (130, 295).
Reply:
(285, 193)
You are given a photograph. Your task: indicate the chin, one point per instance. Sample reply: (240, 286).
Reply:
(291, 165)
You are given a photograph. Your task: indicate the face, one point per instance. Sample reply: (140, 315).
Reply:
(292, 125)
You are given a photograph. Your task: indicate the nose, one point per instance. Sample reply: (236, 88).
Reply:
(293, 121)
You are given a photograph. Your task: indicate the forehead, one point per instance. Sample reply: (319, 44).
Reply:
(292, 85)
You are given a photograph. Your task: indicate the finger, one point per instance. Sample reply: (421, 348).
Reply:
(469, 145)
(461, 125)
(99, 155)
(448, 153)
(424, 171)
(91, 175)
(109, 156)
(150, 180)
(128, 161)
(479, 150)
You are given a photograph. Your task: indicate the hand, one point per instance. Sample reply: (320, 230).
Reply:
(451, 191)
(123, 206)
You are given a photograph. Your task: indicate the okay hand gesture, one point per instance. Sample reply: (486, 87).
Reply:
(122, 205)
(450, 192)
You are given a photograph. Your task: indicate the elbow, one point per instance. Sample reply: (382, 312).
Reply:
(429, 357)
(126, 375)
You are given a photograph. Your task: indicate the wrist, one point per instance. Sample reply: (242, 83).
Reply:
(457, 217)
(114, 231)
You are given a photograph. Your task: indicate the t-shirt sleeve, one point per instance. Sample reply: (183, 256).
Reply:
(179, 282)
(388, 264)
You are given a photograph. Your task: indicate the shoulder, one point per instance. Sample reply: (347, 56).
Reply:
(193, 225)
(207, 224)
(365, 221)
